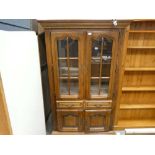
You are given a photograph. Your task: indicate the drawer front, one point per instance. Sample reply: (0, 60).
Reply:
(69, 104)
(98, 104)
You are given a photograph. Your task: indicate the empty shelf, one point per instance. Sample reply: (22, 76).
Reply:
(138, 89)
(137, 106)
(139, 69)
(135, 123)
(141, 47)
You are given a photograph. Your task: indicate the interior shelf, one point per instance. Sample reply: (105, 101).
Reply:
(142, 31)
(140, 69)
(141, 47)
(138, 89)
(67, 77)
(70, 58)
(99, 77)
(137, 106)
(135, 124)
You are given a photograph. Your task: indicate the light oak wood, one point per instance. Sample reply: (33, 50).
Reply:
(140, 58)
(138, 89)
(139, 79)
(147, 69)
(138, 97)
(137, 114)
(137, 106)
(122, 124)
(141, 31)
(141, 47)
(137, 101)
(121, 63)
(5, 125)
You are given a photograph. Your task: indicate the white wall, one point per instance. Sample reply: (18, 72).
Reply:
(20, 71)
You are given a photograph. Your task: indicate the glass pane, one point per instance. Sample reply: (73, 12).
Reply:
(74, 86)
(106, 70)
(104, 87)
(68, 66)
(107, 54)
(62, 48)
(63, 69)
(101, 65)
(64, 87)
(74, 68)
(95, 69)
(73, 48)
(94, 87)
(96, 48)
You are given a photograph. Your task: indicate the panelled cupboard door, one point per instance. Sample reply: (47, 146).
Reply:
(101, 52)
(70, 120)
(97, 120)
(67, 54)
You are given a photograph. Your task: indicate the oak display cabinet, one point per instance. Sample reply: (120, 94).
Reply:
(86, 68)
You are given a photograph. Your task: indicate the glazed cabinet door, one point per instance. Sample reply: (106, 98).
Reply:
(70, 120)
(101, 52)
(67, 52)
(97, 120)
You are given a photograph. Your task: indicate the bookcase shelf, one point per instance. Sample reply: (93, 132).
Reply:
(141, 47)
(138, 89)
(140, 69)
(137, 106)
(135, 124)
(142, 31)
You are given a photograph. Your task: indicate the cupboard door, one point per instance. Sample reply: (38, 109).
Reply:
(70, 120)
(97, 120)
(101, 51)
(67, 50)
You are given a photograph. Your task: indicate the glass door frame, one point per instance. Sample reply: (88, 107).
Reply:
(112, 34)
(78, 35)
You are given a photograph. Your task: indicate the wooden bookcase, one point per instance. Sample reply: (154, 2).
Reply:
(137, 97)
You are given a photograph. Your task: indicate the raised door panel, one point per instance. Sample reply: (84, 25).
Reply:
(70, 120)
(67, 52)
(97, 120)
(101, 53)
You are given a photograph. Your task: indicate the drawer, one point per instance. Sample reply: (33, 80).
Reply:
(98, 104)
(69, 104)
